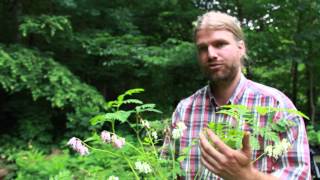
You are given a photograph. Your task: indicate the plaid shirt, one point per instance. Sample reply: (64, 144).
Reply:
(200, 108)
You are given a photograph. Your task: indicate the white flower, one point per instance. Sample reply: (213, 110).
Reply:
(154, 135)
(278, 149)
(268, 150)
(113, 178)
(145, 124)
(143, 167)
(177, 132)
(285, 144)
(181, 126)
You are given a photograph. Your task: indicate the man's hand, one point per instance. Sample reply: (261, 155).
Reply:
(225, 161)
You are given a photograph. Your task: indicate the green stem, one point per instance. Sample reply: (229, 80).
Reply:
(258, 158)
(200, 171)
(140, 142)
(137, 132)
(173, 156)
(117, 155)
(101, 150)
(129, 144)
(112, 126)
(152, 144)
(132, 169)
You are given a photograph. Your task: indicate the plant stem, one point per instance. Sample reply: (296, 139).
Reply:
(112, 126)
(132, 169)
(152, 144)
(173, 156)
(258, 158)
(135, 148)
(95, 149)
(200, 171)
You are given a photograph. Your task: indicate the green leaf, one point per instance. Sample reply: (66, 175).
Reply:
(98, 119)
(134, 91)
(94, 137)
(120, 115)
(272, 136)
(147, 108)
(262, 110)
(132, 101)
(111, 104)
(293, 111)
(254, 142)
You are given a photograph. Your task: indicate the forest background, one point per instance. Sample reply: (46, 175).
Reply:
(60, 60)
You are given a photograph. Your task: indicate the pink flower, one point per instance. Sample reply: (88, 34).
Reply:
(106, 136)
(73, 142)
(118, 142)
(77, 145)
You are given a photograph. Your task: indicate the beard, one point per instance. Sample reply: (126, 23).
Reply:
(227, 74)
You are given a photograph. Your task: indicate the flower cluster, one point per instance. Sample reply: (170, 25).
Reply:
(145, 124)
(106, 136)
(154, 135)
(116, 141)
(177, 132)
(278, 149)
(113, 178)
(143, 167)
(77, 145)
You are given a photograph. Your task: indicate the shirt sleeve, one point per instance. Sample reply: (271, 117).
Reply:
(295, 164)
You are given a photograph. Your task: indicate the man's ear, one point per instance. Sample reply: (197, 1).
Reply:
(242, 47)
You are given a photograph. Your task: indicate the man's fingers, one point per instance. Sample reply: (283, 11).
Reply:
(208, 165)
(209, 159)
(210, 151)
(220, 145)
(244, 157)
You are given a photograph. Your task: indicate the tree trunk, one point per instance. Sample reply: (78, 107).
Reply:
(311, 86)
(294, 81)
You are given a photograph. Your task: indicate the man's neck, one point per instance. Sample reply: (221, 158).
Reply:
(223, 90)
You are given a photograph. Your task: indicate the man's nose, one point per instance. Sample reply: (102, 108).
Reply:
(212, 53)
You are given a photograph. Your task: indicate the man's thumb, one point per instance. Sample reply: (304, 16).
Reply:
(246, 148)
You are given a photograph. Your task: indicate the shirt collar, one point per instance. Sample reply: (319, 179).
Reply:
(235, 95)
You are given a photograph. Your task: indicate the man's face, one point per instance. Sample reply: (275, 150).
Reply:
(219, 54)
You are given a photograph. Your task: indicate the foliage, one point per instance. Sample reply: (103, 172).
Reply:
(232, 135)
(69, 56)
(153, 67)
(143, 146)
(33, 124)
(45, 25)
(313, 136)
(24, 69)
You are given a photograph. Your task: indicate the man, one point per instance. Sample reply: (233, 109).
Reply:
(221, 49)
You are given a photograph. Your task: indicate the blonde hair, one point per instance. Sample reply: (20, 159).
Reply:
(216, 20)
(219, 21)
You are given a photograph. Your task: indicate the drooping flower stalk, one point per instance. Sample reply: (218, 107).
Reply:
(77, 145)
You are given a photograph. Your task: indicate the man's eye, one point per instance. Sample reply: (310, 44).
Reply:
(202, 48)
(220, 44)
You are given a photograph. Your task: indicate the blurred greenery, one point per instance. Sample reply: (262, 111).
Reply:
(60, 60)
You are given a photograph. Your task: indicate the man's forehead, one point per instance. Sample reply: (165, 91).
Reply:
(204, 35)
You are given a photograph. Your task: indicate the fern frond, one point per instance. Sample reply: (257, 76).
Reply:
(132, 101)
(133, 91)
